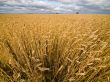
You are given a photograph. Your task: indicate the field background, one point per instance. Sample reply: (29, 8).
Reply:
(54, 48)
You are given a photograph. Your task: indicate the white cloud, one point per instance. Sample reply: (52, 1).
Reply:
(53, 6)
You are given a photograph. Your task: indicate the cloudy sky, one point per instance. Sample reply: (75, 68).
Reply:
(55, 6)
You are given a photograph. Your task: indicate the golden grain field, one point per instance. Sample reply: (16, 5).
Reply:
(54, 48)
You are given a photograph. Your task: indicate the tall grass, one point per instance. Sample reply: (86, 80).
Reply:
(61, 54)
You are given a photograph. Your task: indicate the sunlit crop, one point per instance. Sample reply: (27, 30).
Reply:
(54, 48)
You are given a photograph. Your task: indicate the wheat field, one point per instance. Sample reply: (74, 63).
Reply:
(54, 48)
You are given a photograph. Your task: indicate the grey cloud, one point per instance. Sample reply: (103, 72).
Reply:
(20, 6)
(87, 6)
(61, 6)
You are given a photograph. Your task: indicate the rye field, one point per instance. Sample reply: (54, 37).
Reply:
(54, 48)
